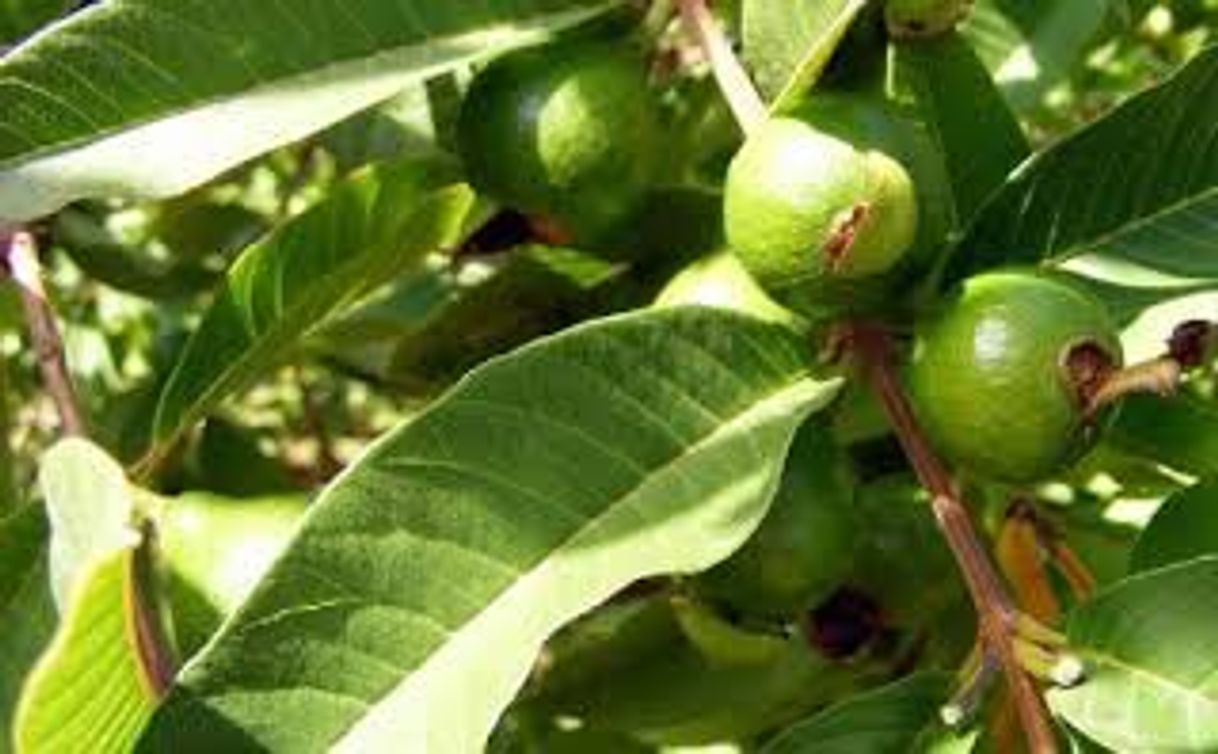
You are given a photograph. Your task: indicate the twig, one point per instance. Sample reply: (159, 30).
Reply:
(21, 261)
(997, 618)
(742, 97)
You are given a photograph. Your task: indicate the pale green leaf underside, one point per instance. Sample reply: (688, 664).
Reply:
(1152, 680)
(148, 98)
(1140, 184)
(88, 691)
(89, 508)
(836, 18)
(784, 40)
(409, 609)
(369, 229)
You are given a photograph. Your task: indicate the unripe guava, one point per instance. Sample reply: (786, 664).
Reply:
(802, 550)
(565, 131)
(215, 550)
(805, 209)
(923, 18)
(719, 280)
(1000, 375)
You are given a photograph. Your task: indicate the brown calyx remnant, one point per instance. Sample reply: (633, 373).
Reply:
(1089, 367)
(1193, 343)
(843, 624)
(836, 248)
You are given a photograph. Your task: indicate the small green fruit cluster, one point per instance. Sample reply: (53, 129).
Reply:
(1000, 375)
(565, 131)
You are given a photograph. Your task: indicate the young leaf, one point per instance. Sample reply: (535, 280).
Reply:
(149, 98)
(788, 48)
(374, 225)
(890, 720)
(979, 138)
(412, 603)
(27, 611)
(1140, 184)
(1184, 527)
(89, 507)
(1152, 669)
(89, 690)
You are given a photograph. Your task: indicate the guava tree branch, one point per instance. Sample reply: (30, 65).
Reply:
(997, 617)
(742, 97)
(24, 269)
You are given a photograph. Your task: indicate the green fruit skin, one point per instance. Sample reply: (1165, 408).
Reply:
(788, 191)
(720, 280)
(566, 131)
(215, 550)
(987, 378)
(923, 18)
(803, 548)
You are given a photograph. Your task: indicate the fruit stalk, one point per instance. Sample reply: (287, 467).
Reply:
(997, 617)
(746, 104)
(21, 263)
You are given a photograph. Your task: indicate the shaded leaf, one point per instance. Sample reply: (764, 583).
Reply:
(433, 570)
(89, 507)
(1185, 527)
(371, 227)
(890, 720)
(1179, 432)
(89, 691)
(27, 611)
(979, 138)
(104, 104)
(21, 17)
(1152, 670)
(1140, 184)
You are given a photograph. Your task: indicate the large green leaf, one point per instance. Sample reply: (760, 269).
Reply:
(1140, 184)
(89, 507)
(411, 605)
(109, 101)
(787, 44)
(89, 690)
(374, 225)
(890, 720)
(1184, 527)
(979, 138)
(1031, 45)
(27, 612)
(1152, 681)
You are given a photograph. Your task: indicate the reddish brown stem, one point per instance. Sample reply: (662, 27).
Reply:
(21, 260)
(742, 97)
(996, 614)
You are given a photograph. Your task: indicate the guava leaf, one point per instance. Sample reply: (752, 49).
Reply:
(21, 17)
(1152, 669)
(787, 47)
(1140, 184)
(27, 611)
(1185, 527)
(374, 225)
(148, 98)
(89, 507)
(409, 609)
(979, 138)
(1031, 45)
(89, 690)
(890, 720)
(1179, 432)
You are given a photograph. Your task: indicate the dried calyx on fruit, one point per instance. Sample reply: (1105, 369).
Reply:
(923, 18)
(565, 131)
(1003, 375)
(808, 211)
